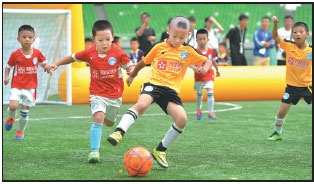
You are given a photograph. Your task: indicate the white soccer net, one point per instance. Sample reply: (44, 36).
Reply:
(52, 38)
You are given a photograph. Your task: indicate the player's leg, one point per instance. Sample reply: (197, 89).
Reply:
(12, 109)
(279, 121)
(199, 87)
(22, 122)
(129, 118)
(27, 100)
(179, 116)
(210, 99)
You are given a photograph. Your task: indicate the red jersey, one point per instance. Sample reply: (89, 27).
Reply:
(25, 68)
(105, 69)
(210, 75)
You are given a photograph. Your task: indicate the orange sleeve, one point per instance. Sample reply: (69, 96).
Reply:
(149, 58)
(283, 44)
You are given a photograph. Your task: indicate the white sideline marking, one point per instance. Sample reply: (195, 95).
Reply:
(233, 108)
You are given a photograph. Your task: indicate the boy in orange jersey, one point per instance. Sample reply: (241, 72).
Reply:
(106, 87)
(298, 72)
(25, 62)
(169, 60)
(205, 81)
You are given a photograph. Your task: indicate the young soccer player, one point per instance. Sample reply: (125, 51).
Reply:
(298, 72)
(205, 81)
(25, 62)
(169, 60)
(106, 87)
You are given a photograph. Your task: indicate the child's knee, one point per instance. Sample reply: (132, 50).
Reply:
(181, 121)
(98, 117)
(108, 123)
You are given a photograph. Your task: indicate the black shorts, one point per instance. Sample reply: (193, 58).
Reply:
(162, 95)
(293, 94)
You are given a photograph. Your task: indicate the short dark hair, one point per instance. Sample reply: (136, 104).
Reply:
(301, 24)
(144, 13)
(26, 28)
(223, 44)
(243, 16)
(101, 25)
(288, 17)
(201, 31)
(169, 20)
(266, 17)
(88, 40)
(192, 18)
(116, 39)
(134, 39)
(206, 19)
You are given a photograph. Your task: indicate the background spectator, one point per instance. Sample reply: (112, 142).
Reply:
(262, 42)
(117, 41)
(192, 38)
(213, 34)
(165, 35)
(88, 42)
(146, 35)
(236, 37)
(135, 53)
(285, 33)
(222, 56)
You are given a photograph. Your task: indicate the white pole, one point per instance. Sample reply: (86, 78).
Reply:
(69, 52)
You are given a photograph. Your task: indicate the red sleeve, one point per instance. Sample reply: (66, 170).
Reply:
(124, 58)
(81, 56)
(12, 60)
(41, 57)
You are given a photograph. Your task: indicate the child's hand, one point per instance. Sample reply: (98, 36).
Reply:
(129, 80)
(50, 68)
(6, 80)
(217, 73)
(202, 71)
(275, 19)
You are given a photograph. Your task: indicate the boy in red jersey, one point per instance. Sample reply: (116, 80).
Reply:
(205, 81)
(169, 61)
(106, 87)
(25, 62)
(298, 72)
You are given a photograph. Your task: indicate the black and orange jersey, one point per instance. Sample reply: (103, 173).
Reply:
(169, 64)
(298, 63)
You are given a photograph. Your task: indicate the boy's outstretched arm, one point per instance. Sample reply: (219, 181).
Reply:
(274, 33)
(135, 71)
(7, 78)
(216, 67)
(54, 66)
(208, 64)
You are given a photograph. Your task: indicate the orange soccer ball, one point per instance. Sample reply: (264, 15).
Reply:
(138, 161)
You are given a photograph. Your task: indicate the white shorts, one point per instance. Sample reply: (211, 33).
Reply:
(200, 86)
(110, 106)
(26, 97)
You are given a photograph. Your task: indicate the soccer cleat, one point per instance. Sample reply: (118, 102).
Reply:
(9, 123)
(19, 135)
(93, 157)
(160, 157)
(115, 138)
(199, 114)
(212, 115)
(275, 136)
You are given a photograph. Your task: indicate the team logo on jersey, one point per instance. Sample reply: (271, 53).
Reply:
(286, 96)
(95, 105)
(35, 61)
(309, 56)
(210, 56)
(184, 54)
(112, 61)
(148, 88)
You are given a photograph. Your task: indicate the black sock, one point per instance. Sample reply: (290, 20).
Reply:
(160, 147)
(122, 132)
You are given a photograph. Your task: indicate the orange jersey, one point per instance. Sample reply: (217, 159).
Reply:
(298, 63)
(168, 64)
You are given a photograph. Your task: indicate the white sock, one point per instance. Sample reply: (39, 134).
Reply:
(11, 113)
(199, 99)
(210, 101)
(23, 120)
(128, 119)
(172, 134)
(278, 124)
